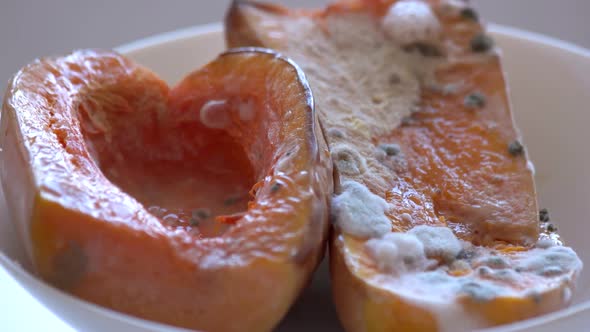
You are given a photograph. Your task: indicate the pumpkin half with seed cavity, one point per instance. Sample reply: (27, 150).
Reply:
(202, 206)
(435, 212)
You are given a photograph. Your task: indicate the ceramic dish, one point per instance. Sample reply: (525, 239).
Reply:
(550, 84)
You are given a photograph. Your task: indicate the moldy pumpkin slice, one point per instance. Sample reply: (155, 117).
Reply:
(202, 206)
(436, 220)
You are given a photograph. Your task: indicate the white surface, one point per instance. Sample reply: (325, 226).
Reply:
(550, 84)
(13, 315)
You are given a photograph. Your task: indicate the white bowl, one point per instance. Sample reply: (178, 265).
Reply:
(550, 83)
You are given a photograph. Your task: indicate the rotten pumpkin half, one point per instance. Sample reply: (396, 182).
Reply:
(436, 220)
(202, 206)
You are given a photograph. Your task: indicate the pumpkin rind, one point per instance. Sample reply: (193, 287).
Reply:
(454, 161)
(88, 236)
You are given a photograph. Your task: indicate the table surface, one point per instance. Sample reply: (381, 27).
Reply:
(16, 313)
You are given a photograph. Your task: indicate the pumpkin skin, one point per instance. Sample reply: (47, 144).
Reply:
(460, 168)
(91, 140)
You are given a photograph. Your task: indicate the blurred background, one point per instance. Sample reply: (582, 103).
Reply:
(33, 28)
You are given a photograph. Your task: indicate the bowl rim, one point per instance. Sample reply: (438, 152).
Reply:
(16, 272)
(216, 27)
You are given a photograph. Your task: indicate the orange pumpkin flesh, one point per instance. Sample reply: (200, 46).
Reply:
(137, 197)
(456, 169)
